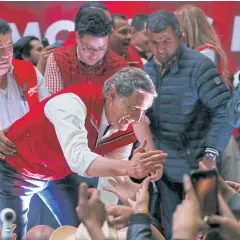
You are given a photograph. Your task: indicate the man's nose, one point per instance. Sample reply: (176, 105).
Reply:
(94, 55)
(129, 35)
(161, 47)
(137, 116)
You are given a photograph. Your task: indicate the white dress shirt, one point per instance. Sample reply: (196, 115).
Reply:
(13, 104)
(67, 113)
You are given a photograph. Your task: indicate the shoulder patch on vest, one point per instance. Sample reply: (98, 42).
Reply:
(77, 122)
(217, 80)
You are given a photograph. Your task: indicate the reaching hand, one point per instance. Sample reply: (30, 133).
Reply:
(144, 163)
(187, 217)
(7, 148)
(90, 209)
(223, 187)
(234, 185)
(142, 198)
(124, 188)
(141, 149)
(209, 163)
(41, 65)
(157, 175)
(229, 226)
(118, 214)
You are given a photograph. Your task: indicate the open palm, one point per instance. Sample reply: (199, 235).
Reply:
(124, 188)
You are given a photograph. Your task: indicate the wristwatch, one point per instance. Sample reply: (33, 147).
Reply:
(211, 155)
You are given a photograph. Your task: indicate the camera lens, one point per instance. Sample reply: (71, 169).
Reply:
(9, 216)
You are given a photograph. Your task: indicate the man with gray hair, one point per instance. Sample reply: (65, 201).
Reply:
(84, 129)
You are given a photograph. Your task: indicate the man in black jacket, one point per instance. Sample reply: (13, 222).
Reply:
(188, 118)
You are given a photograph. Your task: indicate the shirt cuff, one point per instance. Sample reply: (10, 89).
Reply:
(139, 218)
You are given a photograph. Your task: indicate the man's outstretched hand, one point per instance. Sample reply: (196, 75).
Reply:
(144, 163)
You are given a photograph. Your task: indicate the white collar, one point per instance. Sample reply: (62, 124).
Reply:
(11, 69)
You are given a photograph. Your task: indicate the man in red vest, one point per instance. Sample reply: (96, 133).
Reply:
(71, 40)
(21, 87)
(87, 59)
(69, 132)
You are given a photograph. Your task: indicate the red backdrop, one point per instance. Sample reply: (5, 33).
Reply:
(43, 19)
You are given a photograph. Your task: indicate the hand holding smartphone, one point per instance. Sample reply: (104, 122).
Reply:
(205, 183)
(45, 42)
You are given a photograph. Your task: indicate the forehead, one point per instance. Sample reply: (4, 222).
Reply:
(36, 44)
(95, 42)
(120, 23)
(166, 33)
(145, 27)
(5, 38)
(140, 100)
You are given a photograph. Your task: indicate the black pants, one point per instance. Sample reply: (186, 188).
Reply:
(170, 195)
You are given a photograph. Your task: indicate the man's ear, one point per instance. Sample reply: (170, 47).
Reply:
(181, 34)
(25, 57)
(133, 30)
(112, 94)
(78, 38)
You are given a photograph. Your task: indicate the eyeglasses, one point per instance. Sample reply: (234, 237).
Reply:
(91, 50)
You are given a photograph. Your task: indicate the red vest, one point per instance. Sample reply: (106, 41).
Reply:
(134, 57)
(73, 72)
(39, 152)
(220, 63)
(26, 78)
(71, 40)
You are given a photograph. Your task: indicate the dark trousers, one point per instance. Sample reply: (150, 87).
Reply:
(60, 196)
(171, 194)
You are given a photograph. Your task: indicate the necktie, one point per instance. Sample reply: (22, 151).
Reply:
(106, 129)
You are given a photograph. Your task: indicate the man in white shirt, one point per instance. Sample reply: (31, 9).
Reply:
(66, 134)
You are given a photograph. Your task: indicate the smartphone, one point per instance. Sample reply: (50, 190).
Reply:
(45, 42)
(205, 183)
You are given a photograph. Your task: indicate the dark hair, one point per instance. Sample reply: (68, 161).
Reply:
(4, 27)
(23, 47)
(139, 21)
(86, 6)
(117, 15)
(93, 22)
(161, 20)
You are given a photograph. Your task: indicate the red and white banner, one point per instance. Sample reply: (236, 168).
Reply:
(54, 19)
